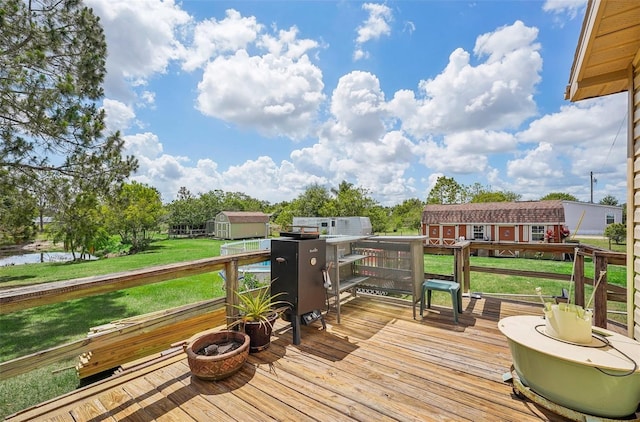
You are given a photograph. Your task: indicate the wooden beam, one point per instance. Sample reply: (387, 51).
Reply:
(76, 348)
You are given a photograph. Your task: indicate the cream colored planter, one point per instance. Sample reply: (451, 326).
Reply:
(568, 322)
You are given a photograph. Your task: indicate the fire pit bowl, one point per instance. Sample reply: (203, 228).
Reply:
(219, 366)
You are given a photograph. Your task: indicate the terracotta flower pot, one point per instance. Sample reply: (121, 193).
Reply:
(220, 366)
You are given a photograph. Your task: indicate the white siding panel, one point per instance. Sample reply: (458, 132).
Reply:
(634, 134)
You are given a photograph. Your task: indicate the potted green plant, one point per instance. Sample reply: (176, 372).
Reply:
(258, 311)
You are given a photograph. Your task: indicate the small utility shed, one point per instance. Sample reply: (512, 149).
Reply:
(530, 221)
(607, 61)
(241, 225)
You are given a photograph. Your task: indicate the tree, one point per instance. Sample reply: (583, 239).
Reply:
(609, 200)
(408, 214)
(134, 213)
(52, 64)
(77, 221)
(348, 201)
(17, 211)
(616, 232)
(495, 197)
(446, 191)
(559, 195)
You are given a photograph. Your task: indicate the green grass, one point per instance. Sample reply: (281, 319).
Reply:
(161, 252)
(602, 243)
(36, 329)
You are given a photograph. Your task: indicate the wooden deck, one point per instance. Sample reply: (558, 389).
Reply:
(379, 364)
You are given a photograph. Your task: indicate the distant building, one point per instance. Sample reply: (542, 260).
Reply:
(584, 218)
(345, 226)
(527, 221)
(239, 225)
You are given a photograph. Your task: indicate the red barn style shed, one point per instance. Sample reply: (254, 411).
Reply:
(532, 221)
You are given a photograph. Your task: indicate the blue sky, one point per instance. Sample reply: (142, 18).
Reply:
(268, 97)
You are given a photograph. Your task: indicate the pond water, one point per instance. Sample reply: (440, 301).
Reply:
(38, 257)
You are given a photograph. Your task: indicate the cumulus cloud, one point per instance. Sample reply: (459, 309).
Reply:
(568, 7)
(276, 95)
(495, 94)
(212, 37)
(118, 116)
(254, 79)
(376, 26)
(142, 40)
(358, 106)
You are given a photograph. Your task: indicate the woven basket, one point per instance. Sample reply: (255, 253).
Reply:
(212, 368)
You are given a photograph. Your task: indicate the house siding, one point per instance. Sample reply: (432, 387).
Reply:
(589, 219)
(339, 226)
(633, 210)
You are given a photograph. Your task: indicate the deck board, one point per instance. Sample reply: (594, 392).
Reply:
(378, 364)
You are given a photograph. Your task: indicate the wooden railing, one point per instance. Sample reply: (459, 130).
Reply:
(601, 259)
(16, 299)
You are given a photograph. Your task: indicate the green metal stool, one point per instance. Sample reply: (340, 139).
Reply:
(443, 286)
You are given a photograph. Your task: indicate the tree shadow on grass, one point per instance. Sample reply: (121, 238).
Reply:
(7, 279)
(40, 328)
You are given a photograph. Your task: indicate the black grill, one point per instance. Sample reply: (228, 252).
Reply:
(296, 271)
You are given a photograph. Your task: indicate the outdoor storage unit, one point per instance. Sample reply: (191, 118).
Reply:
(297, 266)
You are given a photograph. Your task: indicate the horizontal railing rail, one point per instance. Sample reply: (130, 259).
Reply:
(18, 298)
(601, 259)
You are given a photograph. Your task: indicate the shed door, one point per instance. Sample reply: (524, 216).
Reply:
(507, 233)
(449, 235)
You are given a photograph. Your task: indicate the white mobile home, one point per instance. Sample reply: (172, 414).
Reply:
(337, 226)
(584, 218)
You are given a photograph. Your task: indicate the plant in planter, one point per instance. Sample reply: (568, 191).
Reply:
(258, 312)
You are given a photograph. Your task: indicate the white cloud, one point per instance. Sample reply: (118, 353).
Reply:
(118, 116)
(212, 37)
(276, 95)
(376, 26)
(358, 106)
(569, 7)
(496, 94)
(141, 39)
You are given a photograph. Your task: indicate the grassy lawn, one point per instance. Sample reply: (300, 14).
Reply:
(165, 251)
(43, 327)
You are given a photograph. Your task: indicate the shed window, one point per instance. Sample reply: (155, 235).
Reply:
(537, 233)
(478, 232)
(324, 224)
(610, 219)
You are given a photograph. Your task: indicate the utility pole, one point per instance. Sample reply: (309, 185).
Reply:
(593, 180)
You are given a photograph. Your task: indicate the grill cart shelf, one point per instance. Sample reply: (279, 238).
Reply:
(379, 264)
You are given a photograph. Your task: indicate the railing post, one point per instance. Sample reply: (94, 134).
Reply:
(231, 270)
(461, 267)
(600, 295)
(578, 278)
